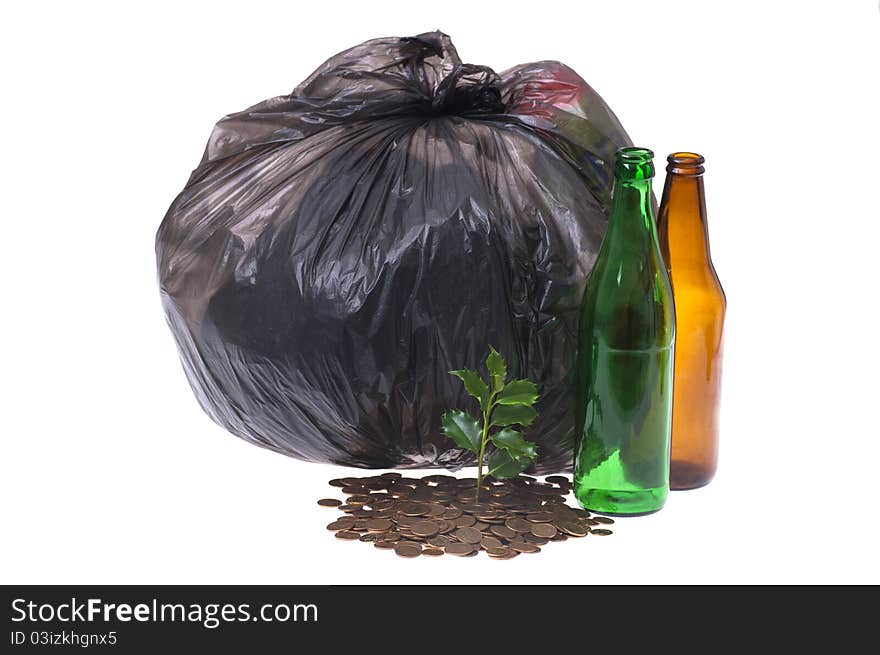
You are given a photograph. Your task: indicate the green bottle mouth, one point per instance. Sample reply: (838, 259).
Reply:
(634, 164)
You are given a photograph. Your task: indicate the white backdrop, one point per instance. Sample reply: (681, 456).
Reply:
(112, 474)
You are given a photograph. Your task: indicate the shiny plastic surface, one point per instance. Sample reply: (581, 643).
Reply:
(341, 248)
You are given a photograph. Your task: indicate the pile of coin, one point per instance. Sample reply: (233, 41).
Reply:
(439, 514)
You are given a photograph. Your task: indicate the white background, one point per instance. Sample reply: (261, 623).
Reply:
(112, 474)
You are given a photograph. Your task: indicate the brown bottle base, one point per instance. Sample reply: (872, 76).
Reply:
(687, 475)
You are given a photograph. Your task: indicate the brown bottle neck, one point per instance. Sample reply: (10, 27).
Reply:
(682, 219)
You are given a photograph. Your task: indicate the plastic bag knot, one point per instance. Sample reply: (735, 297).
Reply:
(468, 89)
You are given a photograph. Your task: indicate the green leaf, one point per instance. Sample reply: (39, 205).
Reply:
(501, 465)
(474, 386)
(512, 442)
(505, 415)
(463, 429)
(497, 369)
(518, 392)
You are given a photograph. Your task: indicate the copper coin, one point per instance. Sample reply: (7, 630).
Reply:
(439, 541)
(464, 521)
(524, 547)
(539, 517)
(378, 525)
(384, 545)
(337, 483)
(432, 552)
(603, 519)
(451, 513)
(347, 534)
(532, 539)
(407, 549)
(344, 523)
(501, 553)
(462, 550)
(557, 479)
(572, 528)
(329, 502)
(444, 526)
(518, 525)
(425, 528)
(503, 532)
(414, 509)
(544, 530)
(468, 535)
(490, 542)
(601, 532)
(370, 537)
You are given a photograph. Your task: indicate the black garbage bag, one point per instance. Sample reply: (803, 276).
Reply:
(341, 248)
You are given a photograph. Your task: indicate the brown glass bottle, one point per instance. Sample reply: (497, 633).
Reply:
(699, 308)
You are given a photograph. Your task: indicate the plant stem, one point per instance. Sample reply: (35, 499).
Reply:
(484, 438)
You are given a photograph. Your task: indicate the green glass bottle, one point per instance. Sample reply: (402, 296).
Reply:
(625, 356)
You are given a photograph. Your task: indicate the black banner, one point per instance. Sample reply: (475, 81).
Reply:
(266, 619)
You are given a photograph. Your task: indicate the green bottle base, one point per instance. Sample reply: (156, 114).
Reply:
(622, 503)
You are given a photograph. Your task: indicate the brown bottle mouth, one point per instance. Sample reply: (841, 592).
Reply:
(685, 163)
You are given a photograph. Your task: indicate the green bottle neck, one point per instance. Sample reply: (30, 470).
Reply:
(632, 214)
